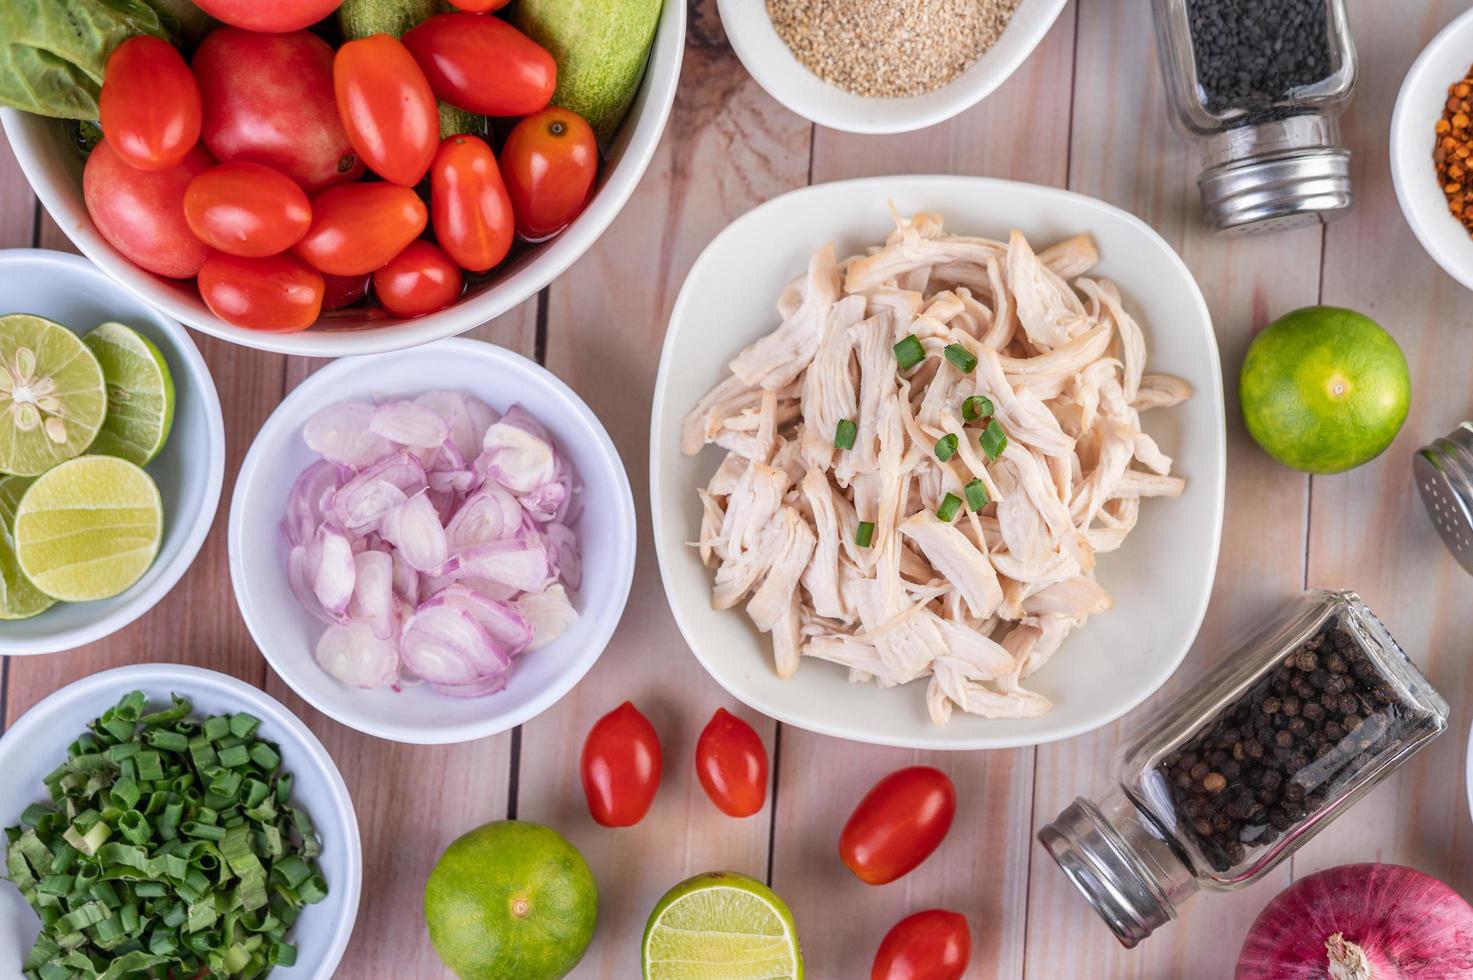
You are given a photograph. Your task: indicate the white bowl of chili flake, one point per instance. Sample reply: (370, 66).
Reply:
(888, 66)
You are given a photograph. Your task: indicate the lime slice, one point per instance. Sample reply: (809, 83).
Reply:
(89, 528)
(721, 926)
(52, 398)
(19, 599)
(140, 394)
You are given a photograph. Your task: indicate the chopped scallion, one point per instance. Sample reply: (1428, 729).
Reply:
(993, 440)
(946, 446)
(961, 358)
(976, 495)
(909, 352)
(976, 408)
(950, 504)
(864, 533)
(844, 434)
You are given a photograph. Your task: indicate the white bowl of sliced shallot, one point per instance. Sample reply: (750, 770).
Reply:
(432, 546)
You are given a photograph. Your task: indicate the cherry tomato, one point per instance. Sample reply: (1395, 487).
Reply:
(731, 763)
(247, 209)
(271, 16)
(472, 214)
(419, 280)
(387, 107)
(930, 945)
(277, 293)
(898, 824)
(141, 212)
(483, 64)
(341, 291)
(268, 99)
(549, 161)
(150, 105)
(358, 228)
(621, 767)
(479, 6)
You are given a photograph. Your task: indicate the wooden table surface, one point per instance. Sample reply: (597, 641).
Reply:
(1086, 112)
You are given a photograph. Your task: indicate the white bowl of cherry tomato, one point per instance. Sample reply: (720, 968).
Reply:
(287, 189)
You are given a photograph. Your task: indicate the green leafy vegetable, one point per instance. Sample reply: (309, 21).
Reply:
(169, 848)
(950, 504)
(976, 495)
(993, 439)
(864, 534)
(844, 434)
(909, 352)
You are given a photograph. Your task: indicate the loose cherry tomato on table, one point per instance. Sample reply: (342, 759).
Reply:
(141, 212)
(247, 209)
(621, 767)
(731, 763)
(898, 824)
(549, 162)
(483, 64)
(358, 228)
(278, 293)
(387, 108)
(268, 98)
(271, 16)
(419, 280)
(341, 291)
(150, 104)
(930, 945)
(471, 211)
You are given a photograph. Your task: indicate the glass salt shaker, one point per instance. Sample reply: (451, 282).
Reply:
(1240, 772)
(1260, 86)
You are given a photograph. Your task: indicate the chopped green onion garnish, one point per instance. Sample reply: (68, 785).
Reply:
(993, 440)
(976, 495)
(844, 434)
(961, 358)
(950, 504)
(864, 534)
(946, 446)
(976, 408)
(909, 352)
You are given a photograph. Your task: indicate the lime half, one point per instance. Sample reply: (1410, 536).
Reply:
(19, 599)
(721, 926)
(140, 394)
(52, 398)
(89, 528)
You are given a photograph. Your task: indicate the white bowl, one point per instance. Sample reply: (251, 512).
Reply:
(54, 168)
(287, 634)
(1160, 579)
(1419, 105)
(38, 741)
(189, 470)
(772, 63)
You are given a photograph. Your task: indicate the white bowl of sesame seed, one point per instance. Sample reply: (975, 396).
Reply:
(883, 66)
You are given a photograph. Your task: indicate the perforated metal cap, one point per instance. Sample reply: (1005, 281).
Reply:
(1273, 192)
(1444, 473)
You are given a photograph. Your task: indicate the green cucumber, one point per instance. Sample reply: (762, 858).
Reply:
(361, 18)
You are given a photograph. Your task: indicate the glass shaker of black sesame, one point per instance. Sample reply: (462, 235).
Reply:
(1217, 789)
(1260, 85)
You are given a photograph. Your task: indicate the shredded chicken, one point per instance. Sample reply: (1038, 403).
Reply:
(840, 553)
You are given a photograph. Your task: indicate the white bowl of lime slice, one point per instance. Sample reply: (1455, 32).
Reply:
(187, 470)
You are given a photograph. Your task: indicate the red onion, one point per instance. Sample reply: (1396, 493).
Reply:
(1361, 922)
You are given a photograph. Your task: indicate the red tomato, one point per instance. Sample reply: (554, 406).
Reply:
(278, 293)
(341, 291)
(358, 228)
(387, 107)
(150, 104)
(930, 945)
(621, 767)
(549, 162)
(472, 214)
(272, 16)
(247, 209)
(141, 212)
(480, 6)
(268, 99)
(483, 64)
(898, 824)
(732, 765)
(419, 280)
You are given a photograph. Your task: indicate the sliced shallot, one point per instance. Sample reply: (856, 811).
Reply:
(335, 572)
(409, 424)
(357, 657)
(373, 594)
(549, 613)
(444, 644)
(415, 529)
(340, 433)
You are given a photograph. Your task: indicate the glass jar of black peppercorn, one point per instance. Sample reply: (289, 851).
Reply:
(1217, 790)
(1260, 84)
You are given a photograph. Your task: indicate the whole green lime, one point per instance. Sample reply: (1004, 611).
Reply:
(511, 899)
(1324, 389)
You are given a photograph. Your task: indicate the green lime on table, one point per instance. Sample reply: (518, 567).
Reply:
(19, 599)
(511, 899)
(52, 398)
(1324, 389)
(140, 394)
(721, 926)
(89, 528)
